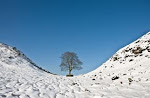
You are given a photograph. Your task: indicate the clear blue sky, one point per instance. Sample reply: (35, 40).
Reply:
(94, 29)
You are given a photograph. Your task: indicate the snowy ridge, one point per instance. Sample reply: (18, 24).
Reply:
(20, 78)
(128, 66)
(136, 52)
(124, 75)
(13, 57)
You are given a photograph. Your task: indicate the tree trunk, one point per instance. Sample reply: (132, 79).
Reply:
(70, 75)
(69, 71)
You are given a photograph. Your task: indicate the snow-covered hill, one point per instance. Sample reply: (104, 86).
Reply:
(128, 69)
(15, 58)
(125, 75)
(21, 78)
(133, 60)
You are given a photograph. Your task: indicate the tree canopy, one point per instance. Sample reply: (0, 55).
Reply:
(70, 61)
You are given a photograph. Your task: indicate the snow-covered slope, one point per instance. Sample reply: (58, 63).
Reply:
(21, 78)
(128, 69)
(133, 59)
(13, 57)
(125, 75)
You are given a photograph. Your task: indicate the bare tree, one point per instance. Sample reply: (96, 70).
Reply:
(70, 61)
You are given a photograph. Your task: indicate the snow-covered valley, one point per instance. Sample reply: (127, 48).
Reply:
(125, 75)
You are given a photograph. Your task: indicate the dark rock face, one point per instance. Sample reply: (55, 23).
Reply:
(115, 78)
